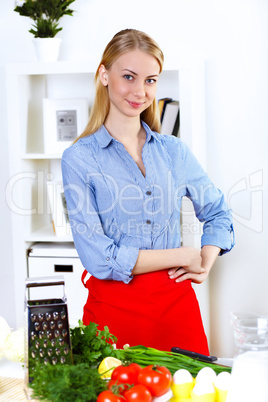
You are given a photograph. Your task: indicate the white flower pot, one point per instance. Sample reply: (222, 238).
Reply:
(47, 49)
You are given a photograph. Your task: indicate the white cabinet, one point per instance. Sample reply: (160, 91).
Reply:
(53, 259)
(30, 167)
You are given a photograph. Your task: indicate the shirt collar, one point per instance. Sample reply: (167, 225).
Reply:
(149, 133)
(104, 138)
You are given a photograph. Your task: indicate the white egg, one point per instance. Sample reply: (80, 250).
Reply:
(206, 374)
(223, 381)
(203, 388)
(182, 376)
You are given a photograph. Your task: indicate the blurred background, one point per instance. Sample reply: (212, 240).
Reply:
(232, 38)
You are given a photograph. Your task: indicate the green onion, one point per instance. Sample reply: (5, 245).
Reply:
(145, 356)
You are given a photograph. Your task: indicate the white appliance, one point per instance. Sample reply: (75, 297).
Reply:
(53, 259)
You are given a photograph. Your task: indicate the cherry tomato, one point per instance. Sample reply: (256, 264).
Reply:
(156, 378)
(109, 396)
(126, 373)
(138, 393)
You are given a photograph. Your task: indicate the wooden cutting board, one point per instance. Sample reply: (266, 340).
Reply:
(12, 389)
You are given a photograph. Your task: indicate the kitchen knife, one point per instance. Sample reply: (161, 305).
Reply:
(222, 361)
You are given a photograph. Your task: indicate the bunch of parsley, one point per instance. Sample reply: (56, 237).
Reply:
(91, 345)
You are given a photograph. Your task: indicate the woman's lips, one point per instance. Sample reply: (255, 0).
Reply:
(135, 105)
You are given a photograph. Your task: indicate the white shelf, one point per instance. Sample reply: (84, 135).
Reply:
(58, 67)
(46, 234)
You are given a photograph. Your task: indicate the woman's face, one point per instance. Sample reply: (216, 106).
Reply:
(132, 82)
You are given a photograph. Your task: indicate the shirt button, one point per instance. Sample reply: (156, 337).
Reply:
(148, 192)
(107, 258)
(148, 222)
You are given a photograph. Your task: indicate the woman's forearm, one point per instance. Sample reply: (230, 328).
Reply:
(156, 260)
(208, 256)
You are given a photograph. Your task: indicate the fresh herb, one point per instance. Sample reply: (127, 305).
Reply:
(67, 383)
(173, 361)
(91, 345)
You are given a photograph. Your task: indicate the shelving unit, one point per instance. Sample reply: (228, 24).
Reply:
(30, 167)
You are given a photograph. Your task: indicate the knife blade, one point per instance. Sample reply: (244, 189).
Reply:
(222, 361)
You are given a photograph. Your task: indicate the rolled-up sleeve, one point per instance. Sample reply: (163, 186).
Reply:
(209, 205)
(99, 254)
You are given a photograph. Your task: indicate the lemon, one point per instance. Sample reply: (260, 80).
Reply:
(107, 365)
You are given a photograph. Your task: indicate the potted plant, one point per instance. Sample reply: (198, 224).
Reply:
(46, 15)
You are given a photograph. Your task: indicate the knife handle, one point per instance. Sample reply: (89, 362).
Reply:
(194, 355)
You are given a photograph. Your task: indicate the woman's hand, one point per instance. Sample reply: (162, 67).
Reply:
(192, 265)
(199, 266)
(181, 274)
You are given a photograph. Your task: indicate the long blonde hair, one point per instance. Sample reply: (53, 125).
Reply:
(123, 42)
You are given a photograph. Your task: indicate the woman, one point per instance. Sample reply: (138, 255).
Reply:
(123, 184)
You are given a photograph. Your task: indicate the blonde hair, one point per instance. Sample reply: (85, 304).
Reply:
(123, 42)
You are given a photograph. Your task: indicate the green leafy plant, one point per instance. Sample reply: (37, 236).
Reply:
(68, 383)
(90, 345)
(45, 14)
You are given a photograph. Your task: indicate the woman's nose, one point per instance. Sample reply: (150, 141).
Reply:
(139, 89)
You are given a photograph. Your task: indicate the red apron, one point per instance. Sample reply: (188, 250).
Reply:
(152, 310)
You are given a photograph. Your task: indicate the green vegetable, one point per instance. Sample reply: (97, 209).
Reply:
(173, 361)
(67, 383)
(90, 345)
(78, 382)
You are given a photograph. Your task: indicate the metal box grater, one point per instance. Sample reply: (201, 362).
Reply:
(47, 334)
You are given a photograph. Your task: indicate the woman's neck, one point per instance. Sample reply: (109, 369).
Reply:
(125, 129)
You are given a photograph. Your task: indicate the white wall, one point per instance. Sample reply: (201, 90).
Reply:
(232, 36)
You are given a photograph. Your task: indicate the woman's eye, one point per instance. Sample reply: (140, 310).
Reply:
(128, 77)
(151, 80)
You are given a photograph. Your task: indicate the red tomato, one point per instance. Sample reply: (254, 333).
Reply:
(156, 378)
(126, 373)
(111, 383)
(109, 396)
(138, 393)
(115, 386)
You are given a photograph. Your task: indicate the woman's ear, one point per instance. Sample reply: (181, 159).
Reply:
(103, 75)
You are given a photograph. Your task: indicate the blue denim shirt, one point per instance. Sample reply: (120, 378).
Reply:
(115, 211)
